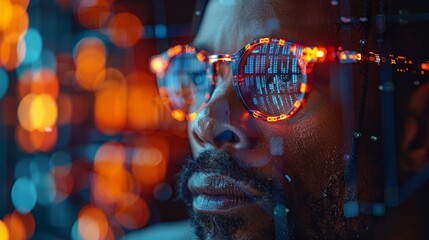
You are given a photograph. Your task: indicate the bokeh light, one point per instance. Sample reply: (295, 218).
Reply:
(4, 83)
(24, 195)
(77, 102)
(7, 13)
(38, 112)
(22, 3)
(125, 29)
(38, 82)
(34, 45)
(143, 112)
(93, 14)
(110, 103)
(132, 213)
(4, 231)
(11, 52)
(90, 62)
(18, 23)
(63, 182)
(163, 192)
(149, 162)
(92, 223)
(20, 226)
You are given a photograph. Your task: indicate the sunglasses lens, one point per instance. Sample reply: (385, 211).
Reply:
(185, 83)
(272, 80)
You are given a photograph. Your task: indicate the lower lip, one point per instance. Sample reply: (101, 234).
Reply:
(219, 204)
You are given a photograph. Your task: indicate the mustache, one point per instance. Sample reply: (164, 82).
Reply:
(222, 163)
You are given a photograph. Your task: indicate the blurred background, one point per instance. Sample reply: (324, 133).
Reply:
(87, 149)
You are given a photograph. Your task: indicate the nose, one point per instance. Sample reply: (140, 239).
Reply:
(223, 122)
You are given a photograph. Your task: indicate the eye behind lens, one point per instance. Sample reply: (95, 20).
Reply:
(185, 84)
(271, 82)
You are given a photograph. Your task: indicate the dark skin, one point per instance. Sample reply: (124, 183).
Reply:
(310, 147)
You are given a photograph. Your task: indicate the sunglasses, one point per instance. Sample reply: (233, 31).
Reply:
(271, 76)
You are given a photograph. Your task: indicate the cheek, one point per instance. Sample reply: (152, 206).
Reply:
(312, 144)
(319, 144)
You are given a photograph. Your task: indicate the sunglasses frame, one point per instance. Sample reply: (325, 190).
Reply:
(305, 57)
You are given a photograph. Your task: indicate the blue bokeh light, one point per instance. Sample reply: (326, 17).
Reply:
(34, 44)
(4, 82)
(24, 195)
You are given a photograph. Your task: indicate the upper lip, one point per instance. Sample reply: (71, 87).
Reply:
(221, 185)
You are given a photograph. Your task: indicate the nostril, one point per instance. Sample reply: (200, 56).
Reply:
(226, 137)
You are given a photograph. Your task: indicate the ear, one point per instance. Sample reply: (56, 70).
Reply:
(415, 145)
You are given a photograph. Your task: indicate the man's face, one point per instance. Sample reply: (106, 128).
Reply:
(242, 165)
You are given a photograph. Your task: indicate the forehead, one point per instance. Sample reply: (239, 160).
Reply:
(228, 25)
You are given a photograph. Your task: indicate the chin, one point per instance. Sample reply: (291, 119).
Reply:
(249, 225)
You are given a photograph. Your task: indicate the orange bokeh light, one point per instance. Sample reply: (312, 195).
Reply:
(157, 64)
(32, 141)
(18, 24)
(90, 63)
(142, 109)
(110, 108)
(108, 189)
(6, 14)
(92, 223)
(4, 231)
(44, 81)
(45, 140)
(37, 112)
(110, 158)
(149, 162)
(10, 57)
(22, 138)
(178, 114)
(125, 29)
(23, 3)
(132, 213)
(20, 226)
(93, 14)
